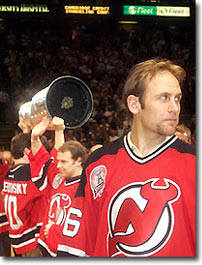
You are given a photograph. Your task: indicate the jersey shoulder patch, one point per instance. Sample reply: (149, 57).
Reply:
(57, 181)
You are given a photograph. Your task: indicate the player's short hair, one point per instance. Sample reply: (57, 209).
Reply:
(143, 72)
(76, 149)
(18, 143)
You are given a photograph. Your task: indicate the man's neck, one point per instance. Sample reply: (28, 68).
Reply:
(76, 173)
(20, 161)
(145, 144)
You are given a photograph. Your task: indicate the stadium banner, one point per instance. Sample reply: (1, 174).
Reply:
(24, 8)
(167, 11)
(87, 10)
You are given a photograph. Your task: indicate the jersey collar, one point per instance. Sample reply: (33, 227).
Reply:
(73, 180)
(136, 155)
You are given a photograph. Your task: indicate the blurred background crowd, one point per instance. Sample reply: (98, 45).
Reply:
(32, 56)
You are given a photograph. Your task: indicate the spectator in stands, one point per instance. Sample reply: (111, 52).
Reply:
(37, 56)
(184, 133)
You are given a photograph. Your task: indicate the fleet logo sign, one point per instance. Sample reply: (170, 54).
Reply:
(139, 10)
(172, 11)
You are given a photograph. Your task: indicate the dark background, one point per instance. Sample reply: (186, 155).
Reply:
(36, 48)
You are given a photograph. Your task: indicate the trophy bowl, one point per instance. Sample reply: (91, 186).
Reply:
(67, 97)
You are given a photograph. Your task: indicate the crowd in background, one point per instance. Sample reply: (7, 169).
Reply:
(31, 59)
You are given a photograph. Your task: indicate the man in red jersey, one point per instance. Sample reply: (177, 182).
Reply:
(22, 199)
(137, 194)
(5, 245)
(63, 177)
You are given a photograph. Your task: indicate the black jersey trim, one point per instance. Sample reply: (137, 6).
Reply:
(20, 172)
(3, 219)
(143, 160)
(72, 181)
(183, 147)
(45, 249)
(110, 148)
(80, 192)
(41, 181)
(66, 254)
(25, 237)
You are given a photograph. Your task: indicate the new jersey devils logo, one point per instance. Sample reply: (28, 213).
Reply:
(58, 207)
(140, 217)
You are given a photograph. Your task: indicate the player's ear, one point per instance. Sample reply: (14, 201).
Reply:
(133, 104)
(79, 161)
(26, 151)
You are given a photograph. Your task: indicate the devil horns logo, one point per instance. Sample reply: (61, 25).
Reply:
(58, 207)
(140, 218)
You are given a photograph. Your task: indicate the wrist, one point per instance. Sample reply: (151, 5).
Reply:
(59, 128)
(26, 130)
(35, 139)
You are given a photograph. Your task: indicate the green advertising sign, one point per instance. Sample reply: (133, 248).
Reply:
(167, 11)
(140, 10)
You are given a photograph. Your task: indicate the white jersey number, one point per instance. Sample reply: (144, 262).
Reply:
(11, 210)
(75, 223)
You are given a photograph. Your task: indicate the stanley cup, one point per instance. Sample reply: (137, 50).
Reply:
(66, 97)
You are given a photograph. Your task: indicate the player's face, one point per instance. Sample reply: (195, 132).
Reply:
(160, 114)
(66, 165)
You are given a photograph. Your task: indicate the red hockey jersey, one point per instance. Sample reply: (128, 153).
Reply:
(4, 226)
(3, 170)
(60, 194)
(61, 197)
(132, 206)
(25, 207)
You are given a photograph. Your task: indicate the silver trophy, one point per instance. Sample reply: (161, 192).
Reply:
(66, 97)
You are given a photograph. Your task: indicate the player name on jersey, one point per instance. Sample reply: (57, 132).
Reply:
(16, 188)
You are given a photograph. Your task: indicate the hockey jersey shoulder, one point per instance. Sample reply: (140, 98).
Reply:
(19, 173)
(110, 148)
(183, 147)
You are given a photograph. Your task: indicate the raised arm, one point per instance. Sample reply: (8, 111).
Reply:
(38, 131)
(59, 127)
(23, 126)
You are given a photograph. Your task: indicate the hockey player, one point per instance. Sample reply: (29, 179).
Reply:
(137, 194)
(5, 246)
(23, 200)
(63, 177)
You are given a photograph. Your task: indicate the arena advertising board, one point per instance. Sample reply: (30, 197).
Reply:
(22, 8)
(167, 11)
(87, 10)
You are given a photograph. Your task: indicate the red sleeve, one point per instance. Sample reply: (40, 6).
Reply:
(54, 235)
(4, 225)
(54, 153)
(3, 171)
(43, 169)
(38, 160)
